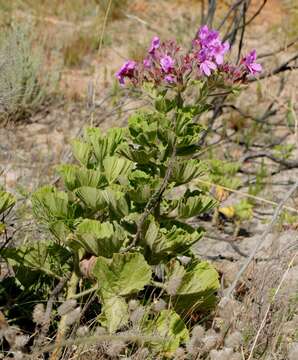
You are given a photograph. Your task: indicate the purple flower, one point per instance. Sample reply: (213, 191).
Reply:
(205, 62)
(147, 63)
(155, 44)
(251, 65)
(219, 50)
(207, 36)
(167, 63)
(170, 79)
(211, 49)
(206, 67)
(127, 70)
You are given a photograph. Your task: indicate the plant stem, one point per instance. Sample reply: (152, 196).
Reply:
(83, 293)
(62, 328)
(156, 197)
(158, 284)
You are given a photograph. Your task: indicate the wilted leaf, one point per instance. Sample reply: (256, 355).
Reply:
(114, 313)
(291, 115)
(220, 193)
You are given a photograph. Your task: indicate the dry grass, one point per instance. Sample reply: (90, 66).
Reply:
(269, 317)
(117, 8)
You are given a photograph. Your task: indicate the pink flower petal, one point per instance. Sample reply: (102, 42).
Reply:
(205, 69)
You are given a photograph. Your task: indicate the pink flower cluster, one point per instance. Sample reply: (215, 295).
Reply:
(165, 64)
(210, 50)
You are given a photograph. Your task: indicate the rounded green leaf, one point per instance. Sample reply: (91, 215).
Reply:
(170, 327)
(100, 239)
(125, 274)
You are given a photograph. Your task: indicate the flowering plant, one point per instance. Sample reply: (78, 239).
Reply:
(120, 228)
(166, 64)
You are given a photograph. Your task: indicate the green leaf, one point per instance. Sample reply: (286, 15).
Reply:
(224, 173)
(115, 167)
(187, 130)
(2, 227)
(142, 186)
(162, 242)
(93, 198)
(244, 210)
(6, 201)
(81, 151)
(50, 204)
(196, 205)
(104, 145)
(116, 201)
(170, 327)
(74, 177)
(139, 155)
(143, 127)
(97, 199)
(59, 229)
(44, 256)
(100, 239)
(114, 313)
(123, 275)
(188, 140)
(198, 288)
(186, 170)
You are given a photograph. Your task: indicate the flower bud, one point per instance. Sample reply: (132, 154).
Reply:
(73, 316)
(159, 305)
(115, 348)
(133, 304)
(21, 341)
(173, 285)
(82, 331)
(38, 314)
(224, 354)
(233, 340)
(66, 307)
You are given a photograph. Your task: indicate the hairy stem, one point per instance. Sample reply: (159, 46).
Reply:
(62, 328)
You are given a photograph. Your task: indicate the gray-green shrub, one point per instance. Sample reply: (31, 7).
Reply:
(25, 83)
